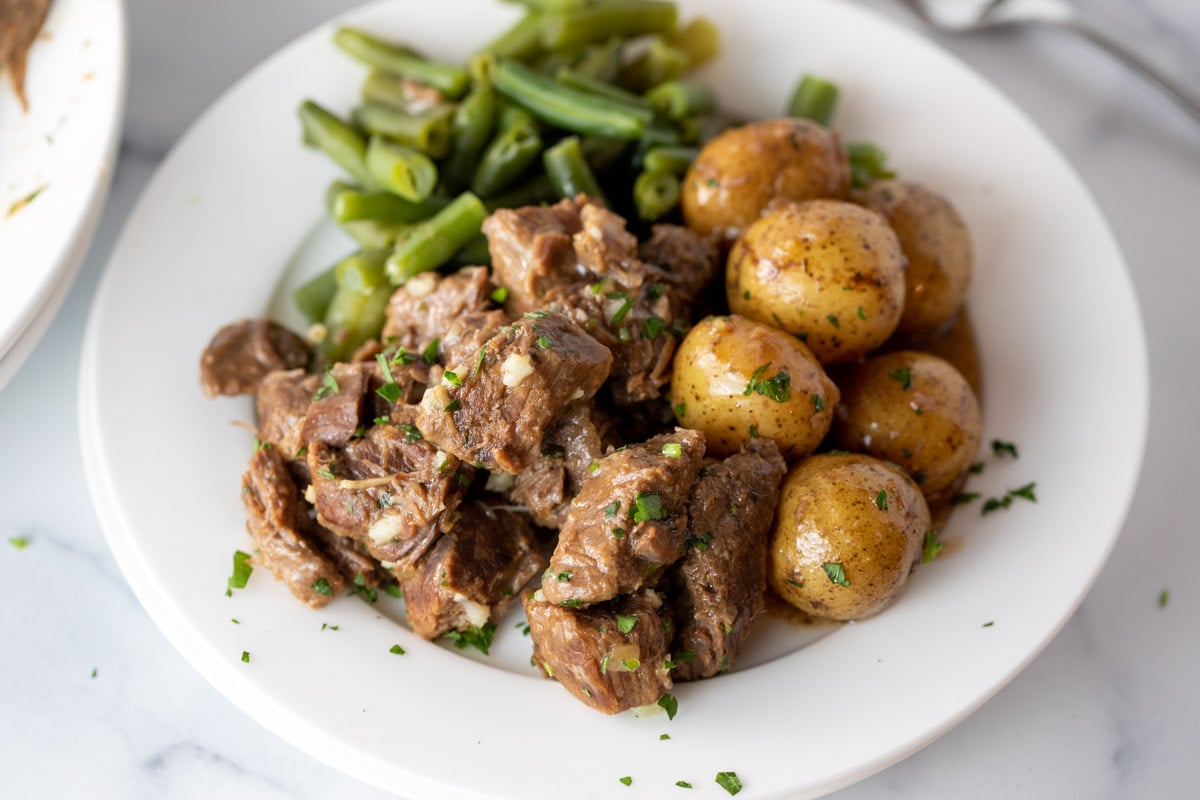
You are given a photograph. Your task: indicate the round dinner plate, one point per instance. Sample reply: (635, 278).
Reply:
(235, 211)
(56, 163)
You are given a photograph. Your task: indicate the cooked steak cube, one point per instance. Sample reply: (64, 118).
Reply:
(389, 490)
(532, 252)
(611, 656)
(628, 521)
(241, 354)
(495, 411)
(474, 572)
(422, 309)
(277, 517)
(688, 260)
(282, 402)
(717, 588)
(339, 406)
(571, 446)
(461, 342)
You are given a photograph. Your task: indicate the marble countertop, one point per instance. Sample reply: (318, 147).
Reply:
(95, 703)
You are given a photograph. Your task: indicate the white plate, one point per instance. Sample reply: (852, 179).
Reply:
(1065, 375)
(57, 162)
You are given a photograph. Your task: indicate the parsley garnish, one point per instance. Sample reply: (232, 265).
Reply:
(536, 314)
(1002, 448)
(393, 591)
(778, 388)
(475, 636)
(904, 375)
(627, 780)
(479, 361)
(753, 431)
(396, 650)
(700, 542)
(411, 434)
(729, 782)
(612, 508)
(241, 572)
(452, 378)
(836, 573)
(544, 342)
(564, 577)
(452, 406)
(647, 506)
(818, 402)
(989, 623)
(653, 327)
(430, 353)
(321, 586)
(572, 602)
(245, 656)
(500, 294)
(669, 704)
(328, 386)
(933, 546)
(1025, 492)
(390, 390)
(369, 593)
(624, 309)
(662, 737)
(626, 622)
(680, 410)
(325, 626)
(630, 664)
(861, 314)
(19, 542)
(683, 784)
(618, 533)
(1163, 597)
(672, 450)
(960, 498)
(833, 320)
(881, 500)
(976, 468)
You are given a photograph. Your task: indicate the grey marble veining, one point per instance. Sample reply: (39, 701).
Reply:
(1109, 710)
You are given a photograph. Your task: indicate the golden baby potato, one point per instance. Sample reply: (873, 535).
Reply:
(742, 171)
(736, 379)
(848, 531)
(829, 271)
(938, 247)
(915, 410)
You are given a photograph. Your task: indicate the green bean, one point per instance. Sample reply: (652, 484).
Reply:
(509, 154)
(535, 191)
(813, 98)
(449, 79)
(577, 80)
(352, 205)
(427, 131)
(551, 5)
(567, 168)
(658, 134)
(522, 41)
(700, 39)
(332, 193)
(658, 62)
(403, 170)
(655, 194)
(313, 296)
(673, 159)
(472, 128)
(358, 307)
(569, 108)
(371, 234)
(337, 139)
(602, 153)
(678, 100)
(601, 62)
(391, 90)
(431, 243)
(605, 19)
(868, 163)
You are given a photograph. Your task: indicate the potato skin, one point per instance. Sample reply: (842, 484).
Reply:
(938, 247)
(830, 271)
(744, 170)
(915, 410)
(717, 385)
(850, 510)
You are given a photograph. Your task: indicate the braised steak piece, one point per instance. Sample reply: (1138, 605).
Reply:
(390, 490)
(532, 251)
(474, 573)
(241, 354)
(422, 309)
(277, 517)
(282, 403)
(611, 656)
(717, 588)
(339, 406)
(690, 262)
(494, 412)
(628, 521)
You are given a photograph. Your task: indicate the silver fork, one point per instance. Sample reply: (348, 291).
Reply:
(961, 16)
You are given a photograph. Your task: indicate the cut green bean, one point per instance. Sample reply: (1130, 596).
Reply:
(534, 191)
(391, 90)
(700, 39)
(655, 194)
(678, 100)
(577, 80)
(569, 170)
(674, 160)
(404, 170)
(658, 63)
(373, 234)
(358, 307)
(313, 296)
(515, 147)
(814, 98)
(337, 139)
(522, 41)
(868, 163)
(432, 243)
(569, 108)
(352, 205)
(550, 5)
(603, 153)
(472, 128)
(604, 19)
(449, 79)
(427, 131)
(601, 62)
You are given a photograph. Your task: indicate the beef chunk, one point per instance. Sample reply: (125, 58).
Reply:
(717, 588)
(282, 402)
(277, 517)
(389, 490)
(496, 410)
(629, 520)
(464, 338)
(532, 252)
(241, 354)
(571, 446)
(688, 260)
(474, 572)
(422, 309)
(611, 656)
(339, 406)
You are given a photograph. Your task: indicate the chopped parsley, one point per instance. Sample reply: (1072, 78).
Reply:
(393, 590)
(321, 586)
(833, 320)
(700, 542)
(881, 500)
(411, 434)
(653, 327)
(1003, 448)
(995, 503)
(245, 656)
(390, 390)
(818, 402)
(861, 314)
(729, 782)
(836, 573)
(622, 311)
(777, 388)
(241, 572)
(479, 361)
(544, 342)
(680, 410)
(396, 650)
(961, 498)
(500, 294)
(672, 450)
(564, 577)
(452, 378)
(976, 468)
(1163, 597)
(478, 637)
(627, 780)
(618, 533)
(571, 602)
(430, 353)
(19, 542)
(683, 784)
(647, 506)
(662, 737)
(754, 432)
(1024, 492)
(932, 547)
(95, 671)
(369, 593)
(327, 627)
(669, 704)
(626, 622)
(536, 314)
(630, 664)
(989, 623)
(796, 583)
(328, 386)
(904, 376)
(452, 406)
(612, 508)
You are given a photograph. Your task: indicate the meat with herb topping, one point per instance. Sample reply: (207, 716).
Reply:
(242, 353)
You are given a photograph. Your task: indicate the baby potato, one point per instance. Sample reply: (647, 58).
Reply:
(736, 379)
(829, 271)
(742, 171)
(938, 247)
(915, 410)
(848, 531)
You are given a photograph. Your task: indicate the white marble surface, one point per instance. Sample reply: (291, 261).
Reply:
(95, 703)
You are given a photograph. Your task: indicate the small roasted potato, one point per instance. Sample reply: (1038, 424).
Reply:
(915, 410)
(736, 379)
(848, 531)
(829, 271)
(938, 247)
(744, 170)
